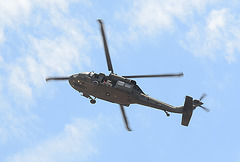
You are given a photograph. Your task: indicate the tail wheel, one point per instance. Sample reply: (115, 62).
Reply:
(92, 101)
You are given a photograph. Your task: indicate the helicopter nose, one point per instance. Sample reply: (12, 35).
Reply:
(77, 80)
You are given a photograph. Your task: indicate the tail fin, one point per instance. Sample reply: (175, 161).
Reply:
(187, 110)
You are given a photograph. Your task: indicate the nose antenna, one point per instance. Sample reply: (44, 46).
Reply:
(57, 78)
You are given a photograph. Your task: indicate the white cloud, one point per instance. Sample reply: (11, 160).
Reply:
(17, 83)
(16, 122)
(1, 60)
(53, 5)
(2, 38)
(52, 45)
(46, 57)
(55, 53)
(217, 20)
(73, 144)
(150, 17)
(209, 28)
(13, 11)
(220, 35)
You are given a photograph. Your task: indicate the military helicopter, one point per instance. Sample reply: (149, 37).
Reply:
(124, 91)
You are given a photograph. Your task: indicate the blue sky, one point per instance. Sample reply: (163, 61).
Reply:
(49, 122)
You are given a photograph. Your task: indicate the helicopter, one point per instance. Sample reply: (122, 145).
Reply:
(124, 91)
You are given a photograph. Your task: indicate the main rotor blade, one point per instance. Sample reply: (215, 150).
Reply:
(125, 118)
(154, 76)
(109, 63)
(57, 78)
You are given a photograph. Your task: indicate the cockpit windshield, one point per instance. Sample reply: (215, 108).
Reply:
(85, 73)
(88, 73)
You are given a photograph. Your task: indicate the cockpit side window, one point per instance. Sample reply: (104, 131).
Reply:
(138, 89)
(91, 74)
(96, 76)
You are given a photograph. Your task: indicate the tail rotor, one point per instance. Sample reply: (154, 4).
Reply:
(189, 106)
(199, 103)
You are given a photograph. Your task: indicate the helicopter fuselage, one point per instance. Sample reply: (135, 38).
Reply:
(116, 89)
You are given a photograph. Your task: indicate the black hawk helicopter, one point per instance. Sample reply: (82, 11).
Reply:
(124, 91)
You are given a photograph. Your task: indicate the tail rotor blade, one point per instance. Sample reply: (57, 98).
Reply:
(154, 76)
(203, 96)
(204, 108)
(109, 63)
(125, 118)
(57, 78)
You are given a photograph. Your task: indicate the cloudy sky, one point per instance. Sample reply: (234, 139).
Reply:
(48, 122)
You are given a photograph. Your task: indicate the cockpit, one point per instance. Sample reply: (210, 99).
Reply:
(88, 73)
(83, 75)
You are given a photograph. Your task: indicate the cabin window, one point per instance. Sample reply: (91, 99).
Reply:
(127, 85)
(124, 86)
(120, 83)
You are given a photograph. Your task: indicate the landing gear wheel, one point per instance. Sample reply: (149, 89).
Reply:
(167, 113)
(92, 101)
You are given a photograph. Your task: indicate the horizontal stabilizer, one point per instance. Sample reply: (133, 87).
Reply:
(187, 110)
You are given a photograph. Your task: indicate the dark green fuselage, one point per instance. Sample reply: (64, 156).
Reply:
(116, 89)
